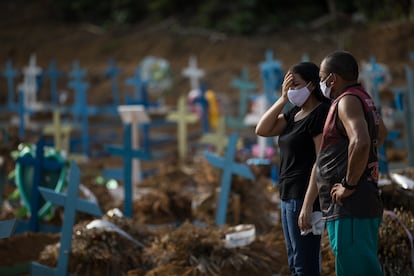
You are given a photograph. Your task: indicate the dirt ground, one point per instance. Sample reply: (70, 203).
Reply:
(29, 29)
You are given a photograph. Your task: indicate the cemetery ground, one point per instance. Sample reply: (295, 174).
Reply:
(181, 194)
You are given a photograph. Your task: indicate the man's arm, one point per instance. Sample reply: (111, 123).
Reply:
(351, 114)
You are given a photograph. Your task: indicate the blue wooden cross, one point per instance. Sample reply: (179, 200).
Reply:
(112, 72)
(53, 73)
(376, 78)
(39, 164)
(229, 167)
(7, 228)
(245, 86)
(201, 99)
(81, 111)
(10, 74)
(272, 75)
(77, 73)
(128, 153)
(71, 203)
(140, 90)
(258, 161)
(24, 114)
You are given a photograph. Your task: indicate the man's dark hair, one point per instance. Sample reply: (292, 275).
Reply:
(342, 63)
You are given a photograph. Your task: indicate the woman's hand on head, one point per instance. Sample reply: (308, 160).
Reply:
(287, 84)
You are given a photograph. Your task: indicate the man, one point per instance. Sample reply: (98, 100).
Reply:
(346, 170)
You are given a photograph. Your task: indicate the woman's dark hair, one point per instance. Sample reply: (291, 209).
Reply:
(309, 72)
(342, 63)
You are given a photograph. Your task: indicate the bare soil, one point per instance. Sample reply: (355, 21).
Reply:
(27, 29)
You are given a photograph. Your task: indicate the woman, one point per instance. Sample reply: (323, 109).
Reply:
(300, 131)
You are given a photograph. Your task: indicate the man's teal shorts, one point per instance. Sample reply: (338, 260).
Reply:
(355, 245)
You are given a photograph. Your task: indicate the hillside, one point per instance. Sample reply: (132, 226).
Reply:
(27, 28)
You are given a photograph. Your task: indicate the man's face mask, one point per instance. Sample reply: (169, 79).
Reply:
(326, 91)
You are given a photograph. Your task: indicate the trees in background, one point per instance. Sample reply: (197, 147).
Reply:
(236, 16)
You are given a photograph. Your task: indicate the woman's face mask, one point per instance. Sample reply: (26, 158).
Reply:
(298, 96)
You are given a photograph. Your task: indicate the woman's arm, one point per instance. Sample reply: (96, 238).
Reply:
(304, 220)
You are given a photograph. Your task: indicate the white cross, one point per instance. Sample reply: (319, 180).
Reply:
(193, 73)
(253, 118)
(29, 85)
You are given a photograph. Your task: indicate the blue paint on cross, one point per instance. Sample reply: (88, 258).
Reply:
(377, 78)
(382, 156)
(140, 93)
(53, 73)
(10, 74)
(128, 153)
(229, 167)
(39, 164)
(112, 72)
(7, 228)
(24, 114)
(244, 86)
(71, 204)
(272, 75)
(77, 73)
(81, 112)
(201, 99)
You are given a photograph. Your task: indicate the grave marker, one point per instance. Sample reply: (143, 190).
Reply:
(229, 167)
(61, 134)
(134, 115)
(77, 73)
(24, 114)
(272, 76)
(140, 90)
(36, 169)
(373, 75)
(193, 73)
(71, 203)
(218, 139)
(29, 85)
(53, 73)
(10, 74)
(7, 228)
(262, 149)
(202, 101)
(244, 86)
(81, 112)
(182, 118)
(128, 153)
(112, 72)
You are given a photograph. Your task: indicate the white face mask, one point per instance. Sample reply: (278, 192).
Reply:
(326, 91)
(298, 96)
